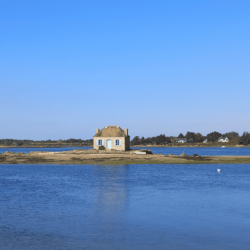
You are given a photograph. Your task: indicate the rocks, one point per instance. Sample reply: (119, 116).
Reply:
(8, 153)
(183, 155)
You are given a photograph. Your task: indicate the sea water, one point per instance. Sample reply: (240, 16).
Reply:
(203, 151)
(28, 150)
(124, 207)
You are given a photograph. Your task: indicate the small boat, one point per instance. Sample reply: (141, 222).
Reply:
(140, 153)
(223, 146)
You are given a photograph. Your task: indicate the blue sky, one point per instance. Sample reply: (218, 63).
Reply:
(69, 67)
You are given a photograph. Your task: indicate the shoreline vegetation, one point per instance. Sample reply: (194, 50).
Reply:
(113, 157)
(191, 139)
(13, 143)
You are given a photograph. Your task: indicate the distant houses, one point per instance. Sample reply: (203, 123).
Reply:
(181, 140)
(223, 139)
(190, 140)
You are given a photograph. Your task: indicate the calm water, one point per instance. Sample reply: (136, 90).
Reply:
(166, 151)
(27, 150)
(200, 151)
(124, 207)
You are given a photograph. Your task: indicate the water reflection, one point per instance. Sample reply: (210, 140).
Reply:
(124, 207)
(110, 189)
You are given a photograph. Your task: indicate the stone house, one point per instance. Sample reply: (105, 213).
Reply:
(112, 137)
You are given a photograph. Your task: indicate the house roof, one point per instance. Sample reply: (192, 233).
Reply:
(110, 131)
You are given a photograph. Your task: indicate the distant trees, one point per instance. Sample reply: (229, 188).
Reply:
(12, 142)
(136, 140)
(193, 138)
(161, 139)
(198, 137)
(142, 141)
(156, 140)
(214, 136)
(190, 136)
(18, 143)
(231, 135)
(245, 139)
(168, 140)
(6, 142)
(71, 140)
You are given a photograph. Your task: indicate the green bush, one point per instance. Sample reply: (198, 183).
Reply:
(101, 148)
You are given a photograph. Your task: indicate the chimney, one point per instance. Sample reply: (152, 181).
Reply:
(97, 130)
(126, 131)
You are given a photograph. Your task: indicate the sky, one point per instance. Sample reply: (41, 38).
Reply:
(154, 67)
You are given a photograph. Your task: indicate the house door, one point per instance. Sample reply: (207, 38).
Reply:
(108, 143)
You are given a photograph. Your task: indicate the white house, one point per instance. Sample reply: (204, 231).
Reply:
(223, 139)
(181, 140)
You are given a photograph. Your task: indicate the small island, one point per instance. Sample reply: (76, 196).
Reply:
(114, 157)
(111, 146)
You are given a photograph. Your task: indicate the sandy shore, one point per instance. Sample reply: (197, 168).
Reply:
(102, 157)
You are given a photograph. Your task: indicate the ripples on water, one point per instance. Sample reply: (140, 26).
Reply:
(28, 150)
(124, 207)
(157, 150)
(200, 151)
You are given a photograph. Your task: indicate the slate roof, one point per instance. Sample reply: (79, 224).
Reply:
(111, 131)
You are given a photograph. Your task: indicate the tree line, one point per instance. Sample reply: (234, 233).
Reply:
(161, 139)
(14, 142)
(192, 137)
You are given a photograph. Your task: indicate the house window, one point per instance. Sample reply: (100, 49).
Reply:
(117, 142)
(100, 142)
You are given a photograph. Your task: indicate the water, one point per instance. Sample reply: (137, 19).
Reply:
(164, 150)
(77, 207)
(200, 151)
(28, 150)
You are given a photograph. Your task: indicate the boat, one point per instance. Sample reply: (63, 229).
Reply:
(140, 153)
